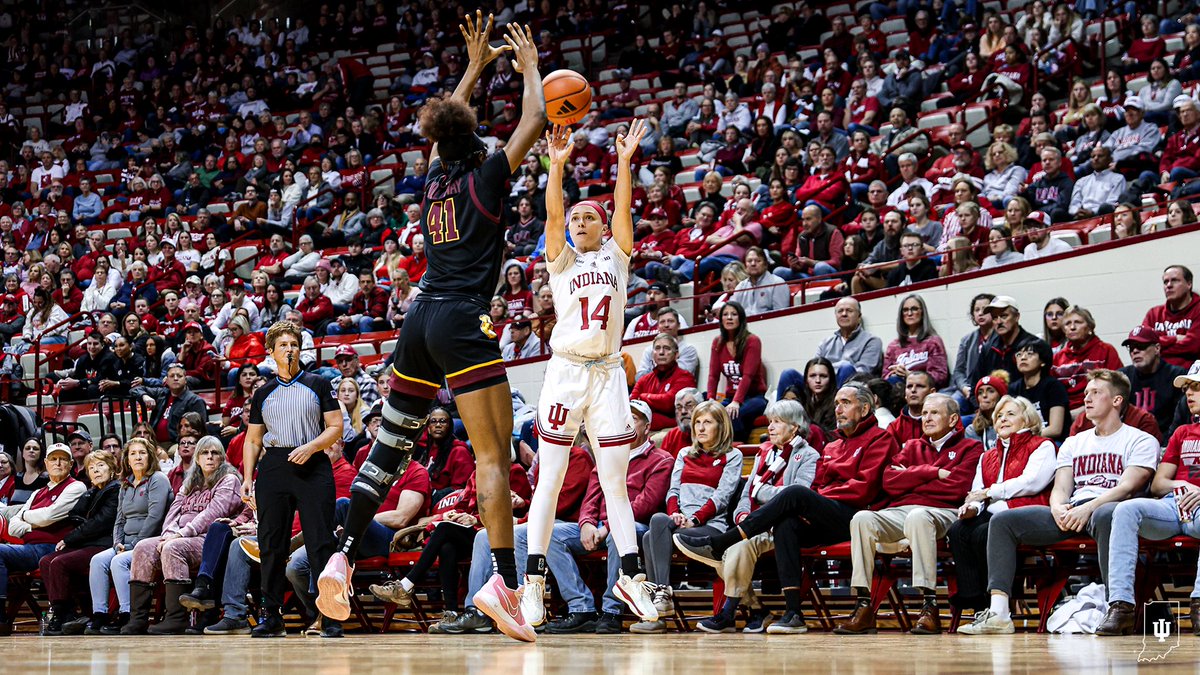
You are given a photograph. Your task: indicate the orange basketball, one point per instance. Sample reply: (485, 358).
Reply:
(568, 96)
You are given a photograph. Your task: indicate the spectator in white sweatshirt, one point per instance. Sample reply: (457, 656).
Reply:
(301, 264)
(1099, 192)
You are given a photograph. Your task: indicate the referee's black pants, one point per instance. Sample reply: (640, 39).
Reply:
(280, 489)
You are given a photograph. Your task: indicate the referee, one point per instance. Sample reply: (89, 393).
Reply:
(293, 418)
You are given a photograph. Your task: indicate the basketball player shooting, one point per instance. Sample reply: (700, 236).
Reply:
(447, 334)
(585, 379)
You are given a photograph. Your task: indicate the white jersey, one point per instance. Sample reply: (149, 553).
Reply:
(589, 300)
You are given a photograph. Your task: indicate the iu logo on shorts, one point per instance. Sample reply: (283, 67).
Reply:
(557, 416)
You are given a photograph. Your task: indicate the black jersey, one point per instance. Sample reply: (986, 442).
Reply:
(464, 242)
(293, 411)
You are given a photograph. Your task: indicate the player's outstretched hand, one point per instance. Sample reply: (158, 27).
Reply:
(559, 144)
(476, 32)
(520, 40)
(627, 143)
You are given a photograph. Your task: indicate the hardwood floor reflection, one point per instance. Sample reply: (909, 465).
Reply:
(588, 654)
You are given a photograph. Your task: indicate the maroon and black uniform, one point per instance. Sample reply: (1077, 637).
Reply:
(447, 333)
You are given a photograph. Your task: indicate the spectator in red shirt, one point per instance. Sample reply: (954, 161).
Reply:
(1178, 319)
(1181, 158)
(659, 387)
(169, 273)
(737, 357)
(824, 187)
(315, 308)
(368, 309)
(1144, 49)
(448, 459)
(1082, 353)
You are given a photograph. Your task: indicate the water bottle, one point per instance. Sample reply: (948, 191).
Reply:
(43, 622)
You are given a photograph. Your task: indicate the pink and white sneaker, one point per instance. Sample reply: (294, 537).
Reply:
(503, 605)
(333, 588)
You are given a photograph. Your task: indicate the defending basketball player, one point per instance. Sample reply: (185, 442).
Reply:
(585, 380)
(447, 334)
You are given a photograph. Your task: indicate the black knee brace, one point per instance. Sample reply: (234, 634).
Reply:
(392, 449)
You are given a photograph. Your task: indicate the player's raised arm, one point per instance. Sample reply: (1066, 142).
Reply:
(560, 145)
(622, 220)
(480, 53)
(533, 102)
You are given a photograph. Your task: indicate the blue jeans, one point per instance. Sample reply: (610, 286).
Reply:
(1154, 519)
(610, 603)
(789, 378)
(819, 270)
(845, 371)
(53, 340)
(118, 565)
(713, 264)
(237, 582)
(481, 560)
(20, 558)
(751, 409)
(364, 325)
(374, 543)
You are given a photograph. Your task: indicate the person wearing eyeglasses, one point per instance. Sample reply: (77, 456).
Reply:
(915, 267)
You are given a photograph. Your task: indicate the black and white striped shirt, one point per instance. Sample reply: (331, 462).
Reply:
(293, 411)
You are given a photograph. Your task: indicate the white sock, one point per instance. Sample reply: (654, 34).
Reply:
(1000, 605)
(406, 584)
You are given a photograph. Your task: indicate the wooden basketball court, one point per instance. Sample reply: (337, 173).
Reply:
(583, 654)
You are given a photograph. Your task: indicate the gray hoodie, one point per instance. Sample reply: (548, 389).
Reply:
(141, 509)
(801, 469)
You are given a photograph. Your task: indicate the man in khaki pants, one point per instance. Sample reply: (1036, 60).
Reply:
(785, 459)
(923, 486)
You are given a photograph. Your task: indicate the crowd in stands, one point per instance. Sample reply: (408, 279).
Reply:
(802, 157)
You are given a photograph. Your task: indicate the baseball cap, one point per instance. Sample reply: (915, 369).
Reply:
(642, 408)
(194, 279)
(235, 282)
(337, 260)
(192, 325)
(1142, 335)
(1193, 375)
(81, 434)
(1040, 217)
(60, 447)
(168, 241)
(963, 145)
(344, 350)
(660, 287)
(324, 265)
(1182, 100)
(524, 323)
(969, 27)
(1135, 102)
(1002, 302)
(510, 106)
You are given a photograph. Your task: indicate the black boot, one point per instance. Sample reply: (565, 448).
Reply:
(60, 613)
(76, 626)
(112, 628)
(98, 623)
(200, 597)
(141, 596)
(175, 618)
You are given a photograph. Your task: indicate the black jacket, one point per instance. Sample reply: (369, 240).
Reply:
(187, 402)
(995, 356)
(127, 371)
(94, 516)
(1157, 395)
